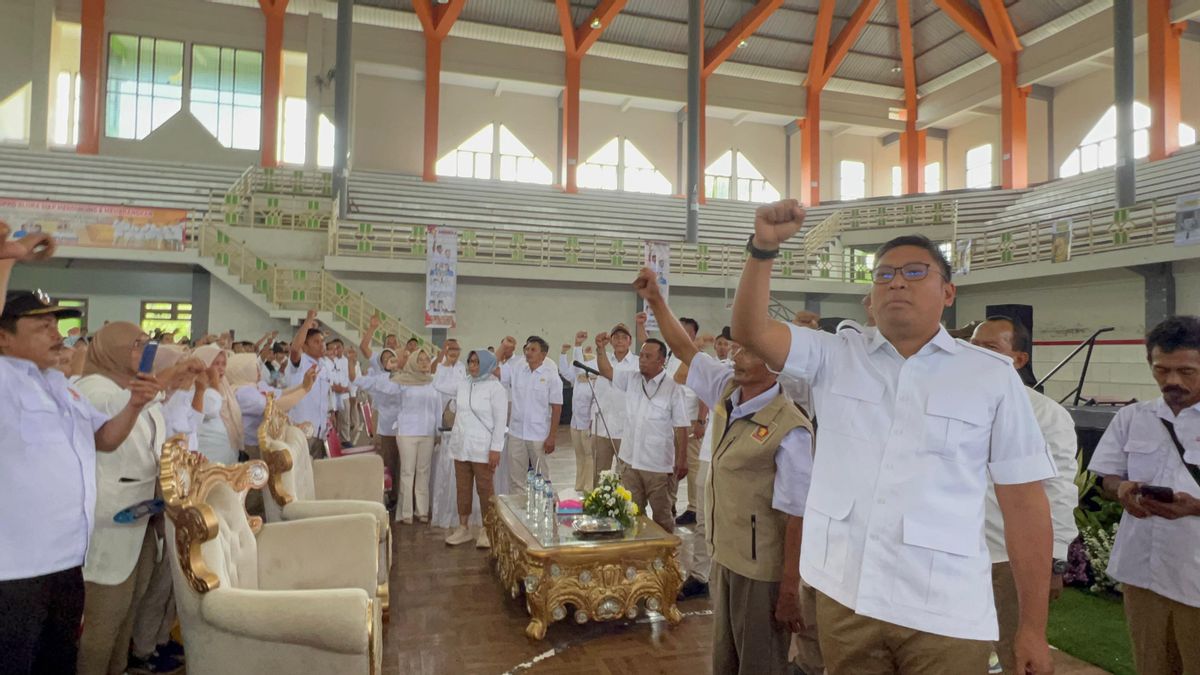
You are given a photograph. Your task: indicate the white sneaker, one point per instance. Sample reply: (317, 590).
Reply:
(460, 535)
(482, 541)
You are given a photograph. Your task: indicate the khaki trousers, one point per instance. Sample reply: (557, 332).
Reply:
(108, 613)
(1165, 633)
(859, 645)
(746, 638)
(694, 487)
(604, 452)
(155, 614)
(654, 489)
(416, 458)
(481, 473)
(585, 461)
(805, 651)
(523, 455)
(698, 560)
(385, 447)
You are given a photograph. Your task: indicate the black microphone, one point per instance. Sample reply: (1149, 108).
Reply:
(586, 369)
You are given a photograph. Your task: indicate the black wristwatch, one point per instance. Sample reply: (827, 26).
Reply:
(758, 253)
(1058, 567)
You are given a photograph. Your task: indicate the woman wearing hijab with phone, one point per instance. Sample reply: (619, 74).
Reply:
(477, 441)
(220, 434)
(121, 556)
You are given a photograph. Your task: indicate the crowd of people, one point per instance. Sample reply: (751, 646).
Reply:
(875, 498)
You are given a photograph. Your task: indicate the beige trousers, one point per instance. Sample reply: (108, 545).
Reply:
(581, 440)
(108, 614)
(650, 488)
(416, 457)
(522, 455)
(694, 485)
(604, 452)
(805, 651)
(1165, 633)
(857, 645)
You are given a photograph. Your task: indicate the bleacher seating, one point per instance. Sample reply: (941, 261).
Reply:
(67, 177)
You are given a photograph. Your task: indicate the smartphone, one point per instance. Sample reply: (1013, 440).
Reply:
(1157, 493)
(148, 353)
(131, 514)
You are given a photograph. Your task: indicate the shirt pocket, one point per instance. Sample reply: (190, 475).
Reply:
(1144, 460)
(956, 421)
(827, 528)
(853, 407)
(939, 567)
(41, 420)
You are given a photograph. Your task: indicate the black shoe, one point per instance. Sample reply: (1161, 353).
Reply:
(153, 665)
(692, 588)
(688, 518)
(172, 649)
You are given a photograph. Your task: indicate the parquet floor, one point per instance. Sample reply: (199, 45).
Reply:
(449, 616)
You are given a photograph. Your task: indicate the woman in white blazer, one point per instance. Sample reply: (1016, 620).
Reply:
(480, 423)
(121, 556)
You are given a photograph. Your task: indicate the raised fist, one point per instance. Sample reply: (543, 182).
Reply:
(646, 285)
(776, 222)
(640, 318)
(374, 324)
(580, 338)
(601, 340)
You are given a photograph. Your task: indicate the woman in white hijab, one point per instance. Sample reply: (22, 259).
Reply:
(220, 435)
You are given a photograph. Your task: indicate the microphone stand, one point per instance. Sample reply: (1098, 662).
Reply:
(600, 413)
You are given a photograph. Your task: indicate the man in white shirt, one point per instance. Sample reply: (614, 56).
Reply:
(307, 348)
(448, 371)
(1149, 458)
(893, 525)
(1005, 336)
(536, 393)
(753, 501)
(338, 366)
(608, 424)
(49, 437)
(654, 447)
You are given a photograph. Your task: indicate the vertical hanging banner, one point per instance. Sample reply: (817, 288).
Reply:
(441, 276)
(1061, 239)
(658, 258)
(1187, 220)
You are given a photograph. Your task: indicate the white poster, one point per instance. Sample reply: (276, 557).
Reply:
(1187, 220)
(962, 257)
(658, 259)
(441, 274)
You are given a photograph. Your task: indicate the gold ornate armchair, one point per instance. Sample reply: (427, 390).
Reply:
(302, 488)
(293, 597)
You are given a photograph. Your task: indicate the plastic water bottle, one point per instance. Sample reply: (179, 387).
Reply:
(528, 490)
(549, 510)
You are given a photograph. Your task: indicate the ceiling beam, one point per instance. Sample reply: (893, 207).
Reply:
(820, 46)
(1001, 26)
(907, 60)
(437, 20)
(605, 12)
(741, 30)
(846, 39)
(972, 23)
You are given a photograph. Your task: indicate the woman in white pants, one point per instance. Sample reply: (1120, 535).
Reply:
(477, 440)
(420, 411)
(582, 402)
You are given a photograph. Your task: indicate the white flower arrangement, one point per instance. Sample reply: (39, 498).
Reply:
(610, 499)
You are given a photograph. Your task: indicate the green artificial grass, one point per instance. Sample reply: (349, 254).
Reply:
(1091, 627)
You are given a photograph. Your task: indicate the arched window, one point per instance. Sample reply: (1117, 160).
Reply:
(732, 176)
(1099, 147)
(619, 165)
(494, 151)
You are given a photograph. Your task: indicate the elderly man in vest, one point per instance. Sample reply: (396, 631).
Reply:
(753, 499)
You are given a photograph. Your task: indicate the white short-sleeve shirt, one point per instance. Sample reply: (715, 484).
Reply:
(1154, 553)
(893, 527)
(609, 420)
(532, 392)
(654, 408)
(314, 407)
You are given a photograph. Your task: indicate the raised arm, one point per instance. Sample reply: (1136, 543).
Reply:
(752, 325)
(646, 285)
(297, 346)
(142, 390)
(30, 248)
(565, 365)
(602, 363)
(639, 321)
(364, 345)
(264, 340)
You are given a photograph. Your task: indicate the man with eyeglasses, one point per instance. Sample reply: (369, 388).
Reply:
(912, 424)
(49, 436)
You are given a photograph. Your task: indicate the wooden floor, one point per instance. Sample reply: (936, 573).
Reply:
(449, 616)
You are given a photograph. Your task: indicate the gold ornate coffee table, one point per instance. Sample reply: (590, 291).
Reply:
(597, 579)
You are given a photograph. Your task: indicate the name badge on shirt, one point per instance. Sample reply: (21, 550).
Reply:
(760, 434)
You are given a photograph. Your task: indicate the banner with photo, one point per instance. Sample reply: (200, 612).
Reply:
(1062, 234)
(96, 225)
(1187, 220)
(962, 257)
(441, 276)
(658, 258)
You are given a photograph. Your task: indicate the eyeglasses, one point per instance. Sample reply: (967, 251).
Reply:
(913, 271)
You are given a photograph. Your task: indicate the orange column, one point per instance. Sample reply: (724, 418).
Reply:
(1164, 78)
(91, 60)
(433, 91)
(810, 149)
(1014, 132)
(570, 111)
(912, 159)
(274, 12)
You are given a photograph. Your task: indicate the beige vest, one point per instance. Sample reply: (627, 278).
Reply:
(744, 533)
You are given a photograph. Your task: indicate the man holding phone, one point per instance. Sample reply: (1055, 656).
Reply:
(1149, 458)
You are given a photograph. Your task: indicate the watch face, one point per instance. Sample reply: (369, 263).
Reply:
(1059, 566)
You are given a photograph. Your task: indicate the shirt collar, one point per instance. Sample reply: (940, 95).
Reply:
(1164, 411)
(940, 340)
(24, 365)
(656, 379)
(755, 404)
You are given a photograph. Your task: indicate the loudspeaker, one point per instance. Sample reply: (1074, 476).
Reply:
(1024, 314)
